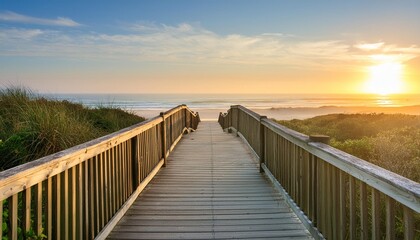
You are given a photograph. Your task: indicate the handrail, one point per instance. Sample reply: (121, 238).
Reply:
(82, 192)
(328, 188)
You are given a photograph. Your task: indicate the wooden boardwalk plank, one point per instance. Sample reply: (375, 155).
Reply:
(210, 189)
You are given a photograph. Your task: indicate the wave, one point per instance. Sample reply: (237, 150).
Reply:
(224, 101)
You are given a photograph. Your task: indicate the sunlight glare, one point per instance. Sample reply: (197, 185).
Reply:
(385, 79)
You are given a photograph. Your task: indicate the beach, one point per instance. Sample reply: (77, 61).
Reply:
(296, 112)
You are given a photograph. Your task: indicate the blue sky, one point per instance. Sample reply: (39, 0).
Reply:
(156, 46)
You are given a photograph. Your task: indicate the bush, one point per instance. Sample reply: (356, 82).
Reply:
(398, 150)
(361, 148)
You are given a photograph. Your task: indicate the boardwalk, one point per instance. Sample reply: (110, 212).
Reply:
(210, 189)
(111, 187)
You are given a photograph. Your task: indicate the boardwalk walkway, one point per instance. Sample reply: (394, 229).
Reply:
(210, 189)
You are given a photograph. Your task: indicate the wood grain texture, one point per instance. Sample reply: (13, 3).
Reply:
(210, 189)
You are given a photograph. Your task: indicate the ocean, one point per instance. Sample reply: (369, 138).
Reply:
(160, 102)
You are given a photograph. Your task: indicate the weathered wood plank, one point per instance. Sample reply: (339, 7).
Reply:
(408, 224)
(211, 188)
(79, 205)
(1, 218)
(26, 210)
(211, 222)
(390, 218)
(72, 198)
(210, 228)
(13, 220)
(57, 207)
(49, 207)
(64, 227)
(342, 206)
(376, 214)
(363, 211)
(286, 234)
(352, 208)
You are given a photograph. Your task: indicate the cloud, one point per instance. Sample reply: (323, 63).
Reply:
(19, 18)
(19, 34)
(386, 58)
(193, 44)
(369, 46)
(188, 43)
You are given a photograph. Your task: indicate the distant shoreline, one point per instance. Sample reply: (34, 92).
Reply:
(289, 113)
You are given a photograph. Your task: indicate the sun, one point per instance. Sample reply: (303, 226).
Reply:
(385, 78)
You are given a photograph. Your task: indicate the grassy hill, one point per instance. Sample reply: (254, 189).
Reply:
(391, 141)
(32, 126)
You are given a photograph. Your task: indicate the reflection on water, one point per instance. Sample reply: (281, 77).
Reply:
(385, 101)
(399, 100)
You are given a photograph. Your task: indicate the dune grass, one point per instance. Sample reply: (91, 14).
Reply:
(33, 127)
(391, 141)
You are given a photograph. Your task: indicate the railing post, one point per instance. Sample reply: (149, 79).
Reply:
(136, 165)
(319, 138)
(231, 118)
(171, 130)
(185, 116)
(163, 134)
(196, 120)
(237, 120)
(262, 143)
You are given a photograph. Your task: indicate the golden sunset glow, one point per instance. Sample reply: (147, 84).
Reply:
(385, 78)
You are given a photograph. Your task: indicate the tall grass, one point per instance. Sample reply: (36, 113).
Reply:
(32, 126)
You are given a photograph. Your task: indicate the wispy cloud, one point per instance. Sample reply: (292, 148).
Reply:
(369, 46)
(19, 34)
(381, 52)
(19, 18)
(185, 43)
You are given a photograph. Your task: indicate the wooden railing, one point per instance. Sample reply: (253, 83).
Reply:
(82, 192)
(335, 194)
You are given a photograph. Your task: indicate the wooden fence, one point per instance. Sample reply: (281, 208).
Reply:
(82, 192)
(335, 194)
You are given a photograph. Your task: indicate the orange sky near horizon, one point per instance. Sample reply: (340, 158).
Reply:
(218, 78)
(230, 79)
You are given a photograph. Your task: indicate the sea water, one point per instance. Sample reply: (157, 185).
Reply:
(160, 102)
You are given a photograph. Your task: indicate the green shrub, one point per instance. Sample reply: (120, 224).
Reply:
(398, 150)
(361, 148)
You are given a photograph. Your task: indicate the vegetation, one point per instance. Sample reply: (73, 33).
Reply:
(391, 141)
(33, 127)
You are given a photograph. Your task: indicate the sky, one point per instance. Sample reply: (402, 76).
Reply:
(198, 46)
